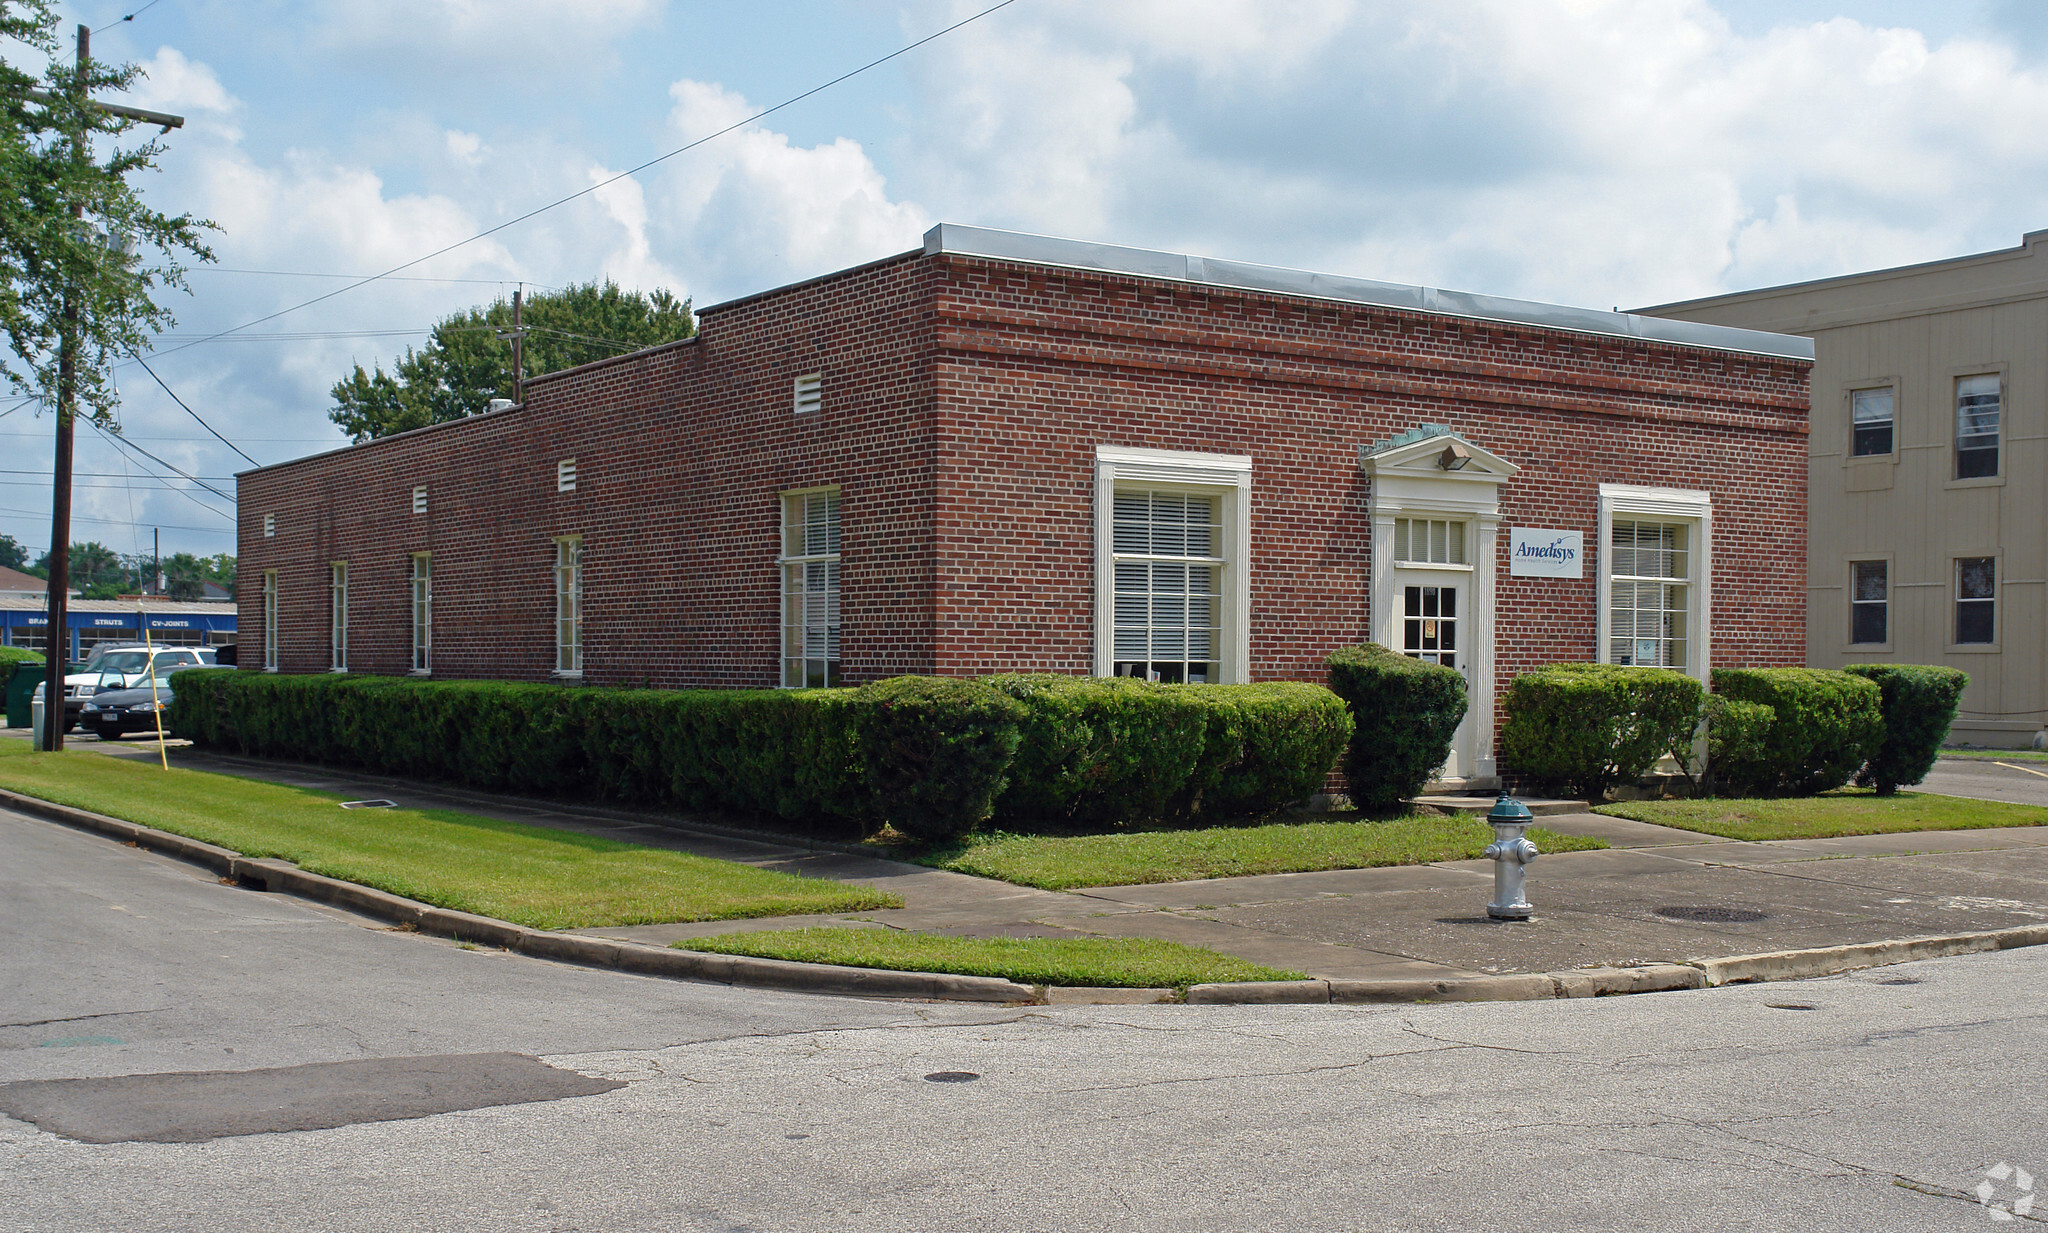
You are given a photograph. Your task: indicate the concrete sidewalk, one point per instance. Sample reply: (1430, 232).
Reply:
(1658, 895)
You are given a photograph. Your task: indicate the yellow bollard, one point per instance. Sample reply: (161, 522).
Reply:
(149, 650)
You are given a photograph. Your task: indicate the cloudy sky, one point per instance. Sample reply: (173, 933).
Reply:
(1591, 152)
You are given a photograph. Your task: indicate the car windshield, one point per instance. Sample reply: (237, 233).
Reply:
(123, 662)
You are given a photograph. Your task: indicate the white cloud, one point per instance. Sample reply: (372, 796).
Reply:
(751, 209)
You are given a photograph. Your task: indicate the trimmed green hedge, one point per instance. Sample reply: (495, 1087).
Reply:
(1406, 714)
(1738, 742)
(18, 655)
(932, 756)
(1919, 703)
(1587, 727)
(1824, 726)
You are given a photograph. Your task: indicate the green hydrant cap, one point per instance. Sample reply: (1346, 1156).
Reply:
(1508, 809)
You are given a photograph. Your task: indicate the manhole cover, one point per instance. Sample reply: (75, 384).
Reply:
(951, 1076)
(1711, 913)
(1790, 1006)
(1901, 980)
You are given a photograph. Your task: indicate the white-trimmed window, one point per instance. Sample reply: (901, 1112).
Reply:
(1978, 404)
(338, 614)
(1430, 541)
(1870, 416)
(1171, 582)
(422, 613)
(270, 620)
(1976, 600)
(1657, 566)
(808, 394)
(810, 589)
(569, 606)
(1869, 603)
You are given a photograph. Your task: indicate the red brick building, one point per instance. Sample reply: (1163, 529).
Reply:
(1004, 452)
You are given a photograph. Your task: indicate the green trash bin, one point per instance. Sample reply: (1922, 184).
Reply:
(21, 687)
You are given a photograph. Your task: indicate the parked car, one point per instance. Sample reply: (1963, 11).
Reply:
(118, 665)
(113, 713)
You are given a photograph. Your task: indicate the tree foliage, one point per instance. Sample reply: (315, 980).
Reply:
(86, 276)
(12, 554)
(466, 364)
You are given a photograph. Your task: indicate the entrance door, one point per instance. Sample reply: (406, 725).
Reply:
(1434, 625)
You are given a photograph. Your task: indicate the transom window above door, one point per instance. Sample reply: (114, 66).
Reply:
(1430, 541)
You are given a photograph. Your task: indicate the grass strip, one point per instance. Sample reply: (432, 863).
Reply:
(1996, 755)
(1850, 811)
(1061, 862)
(531, 875)
(1125, 963)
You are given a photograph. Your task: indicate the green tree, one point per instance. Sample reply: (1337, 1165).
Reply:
(465, 364)
(93, 564)
(83, 278)
(12, 554)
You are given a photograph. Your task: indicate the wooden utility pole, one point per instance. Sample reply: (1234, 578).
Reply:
(518, 349)
(55, 653)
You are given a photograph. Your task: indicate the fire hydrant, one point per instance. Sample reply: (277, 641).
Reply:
(1509, 851)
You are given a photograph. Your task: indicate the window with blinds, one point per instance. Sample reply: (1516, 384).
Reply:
(422, 613)
(1429, 541)
(338, 615)
(1650, 580)
(1978, 404)
(270, 620)
(1167, 562)
(810, 590)
(569, 606)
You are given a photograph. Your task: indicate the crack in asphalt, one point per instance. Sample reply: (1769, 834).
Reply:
(105, 1014)
(1939, 1191)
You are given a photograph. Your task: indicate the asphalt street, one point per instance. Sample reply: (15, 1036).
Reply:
(1874, 1101)
(2020, 780)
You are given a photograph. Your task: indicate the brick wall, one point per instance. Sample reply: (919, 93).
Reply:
(963, 401)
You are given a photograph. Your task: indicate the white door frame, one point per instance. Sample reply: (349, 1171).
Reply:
(1409, 480)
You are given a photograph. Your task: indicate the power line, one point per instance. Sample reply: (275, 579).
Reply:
(194, 414)
(116, 522)
(118, 440)
(131, 17)
(585, 192)
(396, 278)
(101, 474)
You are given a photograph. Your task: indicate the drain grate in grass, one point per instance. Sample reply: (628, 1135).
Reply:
(1124, 963)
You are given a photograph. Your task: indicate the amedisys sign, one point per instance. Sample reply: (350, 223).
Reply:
(1534, 553)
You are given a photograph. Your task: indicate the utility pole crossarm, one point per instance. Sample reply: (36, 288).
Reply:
(165, 119)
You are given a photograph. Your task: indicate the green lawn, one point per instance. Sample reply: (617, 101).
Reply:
(1128, 963)
(1851, 811)
(1061, 862)
(1997, 755)
(541, 878)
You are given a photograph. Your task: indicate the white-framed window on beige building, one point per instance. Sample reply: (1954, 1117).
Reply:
(810, 589)
(569, 606)
(1656, 563)
(1871, 418)
(422, 613)
(1869, 603)
(1976, 601)
(1979, 407)
(337, 640)
(1172, 592)
(270, 620)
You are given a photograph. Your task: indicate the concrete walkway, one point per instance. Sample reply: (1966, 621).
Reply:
(1657, 895)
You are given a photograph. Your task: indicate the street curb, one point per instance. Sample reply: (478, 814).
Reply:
(281, 876)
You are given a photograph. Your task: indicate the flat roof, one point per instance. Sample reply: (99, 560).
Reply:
(1244, 276)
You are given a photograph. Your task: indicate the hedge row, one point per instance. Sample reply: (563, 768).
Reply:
(932, 756)
(1588, 727)
(1769, 731)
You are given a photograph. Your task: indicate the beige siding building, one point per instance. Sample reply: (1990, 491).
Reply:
(1927, 515)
